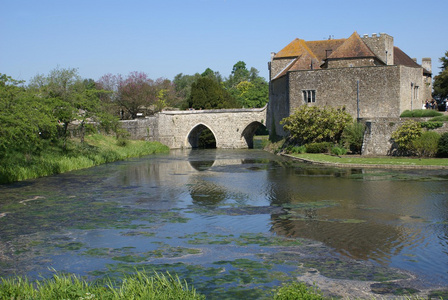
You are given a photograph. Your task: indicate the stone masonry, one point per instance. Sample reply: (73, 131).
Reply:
(232, 128)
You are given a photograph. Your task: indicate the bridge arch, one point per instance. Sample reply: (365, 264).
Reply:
(195, 133)
(249, 132)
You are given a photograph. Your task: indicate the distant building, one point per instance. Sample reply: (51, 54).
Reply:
(368, 75)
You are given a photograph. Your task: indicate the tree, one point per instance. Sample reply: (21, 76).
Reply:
(252, 94)
(25, 119)
(61, 88)
(441, 81)
(353, 136)
(182, 87)
(138, 93)
(249, 89)
(239, 74)
(71, 99)
(313, 124)
(207, 93)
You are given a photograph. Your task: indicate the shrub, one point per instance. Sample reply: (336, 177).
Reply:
(297, 290)
(323, 147)
(431, 124)
(439, 119)
(298, 149)
(353, 136)
(426, 144)
(405, 135)
(122, 142)
(420, 113)
(442, 148)
(313, 124)
(338, 150)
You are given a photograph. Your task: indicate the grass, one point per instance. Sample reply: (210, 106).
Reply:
(386, 160)
(53, 159)
(136, 286)
(420, 113)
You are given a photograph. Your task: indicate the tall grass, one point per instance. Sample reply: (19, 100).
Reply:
(136, 286)
(53, 159)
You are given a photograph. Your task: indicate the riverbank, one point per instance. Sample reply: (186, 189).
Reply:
(386, 162)
(53, 159)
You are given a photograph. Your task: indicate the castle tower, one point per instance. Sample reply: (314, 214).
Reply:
(382, 45)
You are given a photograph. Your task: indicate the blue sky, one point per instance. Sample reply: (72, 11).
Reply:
(167, 37)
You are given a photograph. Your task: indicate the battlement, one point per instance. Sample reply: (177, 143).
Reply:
(382, 45)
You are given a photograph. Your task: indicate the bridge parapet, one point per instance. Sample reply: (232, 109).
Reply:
(232, 128)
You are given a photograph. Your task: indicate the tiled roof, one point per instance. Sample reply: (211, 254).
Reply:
(294, 49)
(306, 55)
(353, 47)
(401, 58)
(323, 49)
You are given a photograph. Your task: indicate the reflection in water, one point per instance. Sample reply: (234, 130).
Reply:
(397, 219)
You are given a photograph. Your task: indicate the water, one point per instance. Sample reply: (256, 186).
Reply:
(234, 223)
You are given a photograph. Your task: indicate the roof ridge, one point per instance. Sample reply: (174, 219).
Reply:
(353, 47)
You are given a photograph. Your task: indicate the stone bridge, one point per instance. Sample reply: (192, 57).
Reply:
(232, 128)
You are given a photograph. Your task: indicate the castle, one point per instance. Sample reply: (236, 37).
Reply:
(367, 75)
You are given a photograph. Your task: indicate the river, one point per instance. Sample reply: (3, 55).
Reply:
(233, 223)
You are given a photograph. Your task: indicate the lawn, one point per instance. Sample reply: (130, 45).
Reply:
(365, 160)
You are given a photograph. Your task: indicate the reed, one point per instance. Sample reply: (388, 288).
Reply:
(69, 286)
(53, 159)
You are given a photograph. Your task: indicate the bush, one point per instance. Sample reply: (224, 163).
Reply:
(439, 119)
(442, 148)
(431, 124)
(297, 290)
(353, 136)
(426, 144)
(122, 142)
(420, 113)
(323, 147)
(405, 135)
(313, 124)
(295, 149)
(338, 150)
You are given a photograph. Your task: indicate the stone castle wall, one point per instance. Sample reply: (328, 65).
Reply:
(379, 89)
(377, 137)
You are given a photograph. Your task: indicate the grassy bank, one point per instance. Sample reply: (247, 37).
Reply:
(137, 286)
(387, 161)
(54, 159)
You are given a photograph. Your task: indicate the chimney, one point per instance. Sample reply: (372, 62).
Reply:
(426, 63)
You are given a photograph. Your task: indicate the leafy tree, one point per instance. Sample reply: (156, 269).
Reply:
(138, 93)
(252, 94)
(441, 81)
(71, 99)
(25, 120)
(353, 136)
(62, 89)
(182, 87)
(239, 74)
(212, 75)
(405, 135)
(313, 124)
(207, 93)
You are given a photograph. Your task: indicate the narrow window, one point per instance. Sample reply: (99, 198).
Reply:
(309, 96)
